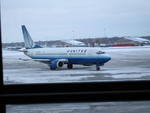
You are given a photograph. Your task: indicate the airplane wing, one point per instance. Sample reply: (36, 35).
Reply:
(24, 59)
(44, 60)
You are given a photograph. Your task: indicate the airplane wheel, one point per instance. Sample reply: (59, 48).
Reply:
(70, 66)
(97, 68)
(52, 68)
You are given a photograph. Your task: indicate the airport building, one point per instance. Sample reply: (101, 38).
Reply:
(86, 42)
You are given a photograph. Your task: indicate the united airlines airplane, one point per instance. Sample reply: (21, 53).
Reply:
(57, 57)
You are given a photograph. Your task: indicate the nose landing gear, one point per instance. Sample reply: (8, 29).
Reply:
(98, 68)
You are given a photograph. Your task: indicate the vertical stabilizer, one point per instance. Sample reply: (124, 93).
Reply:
(27, 38)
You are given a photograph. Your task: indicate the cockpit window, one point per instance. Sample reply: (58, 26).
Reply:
(100, 52)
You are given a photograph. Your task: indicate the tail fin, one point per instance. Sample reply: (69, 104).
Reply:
(27, 38)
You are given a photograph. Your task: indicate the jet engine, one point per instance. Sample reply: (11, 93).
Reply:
(56, 63)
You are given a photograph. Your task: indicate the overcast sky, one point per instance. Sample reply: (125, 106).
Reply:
(70, 19)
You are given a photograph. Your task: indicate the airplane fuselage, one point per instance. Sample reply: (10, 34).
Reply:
(74, 55)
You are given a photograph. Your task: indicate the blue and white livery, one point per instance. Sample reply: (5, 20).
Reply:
(57, 57)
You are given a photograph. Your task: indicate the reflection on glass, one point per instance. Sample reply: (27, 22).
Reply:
(73, 41)
(103, 107)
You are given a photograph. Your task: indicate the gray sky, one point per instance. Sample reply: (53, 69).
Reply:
(69, 19)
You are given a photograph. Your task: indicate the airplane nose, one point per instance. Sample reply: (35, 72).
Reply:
(107, 58)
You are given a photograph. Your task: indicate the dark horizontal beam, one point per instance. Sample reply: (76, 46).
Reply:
(76, 92)
(76, 87)
(75, 97)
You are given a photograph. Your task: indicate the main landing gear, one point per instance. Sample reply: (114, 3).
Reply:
(98, 68)
(52, 68)
(69, 66)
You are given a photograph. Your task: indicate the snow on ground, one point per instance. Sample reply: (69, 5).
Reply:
(138, 39)
(75, 42)
(42, 77)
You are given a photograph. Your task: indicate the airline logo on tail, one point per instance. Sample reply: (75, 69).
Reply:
(28, 40)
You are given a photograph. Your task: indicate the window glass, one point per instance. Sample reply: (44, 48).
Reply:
(48, 41)
(94, 107)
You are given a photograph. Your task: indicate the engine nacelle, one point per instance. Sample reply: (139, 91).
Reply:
(55, 64)
(60, 64)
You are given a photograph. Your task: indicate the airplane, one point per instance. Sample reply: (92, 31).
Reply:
(57, 57)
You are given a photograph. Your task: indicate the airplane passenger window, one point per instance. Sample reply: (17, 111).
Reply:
(59, 41)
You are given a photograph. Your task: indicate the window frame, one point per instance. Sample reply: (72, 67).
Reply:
(138, 90)
(75, 92)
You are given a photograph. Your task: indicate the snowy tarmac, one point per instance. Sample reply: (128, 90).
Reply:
(128, 63)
